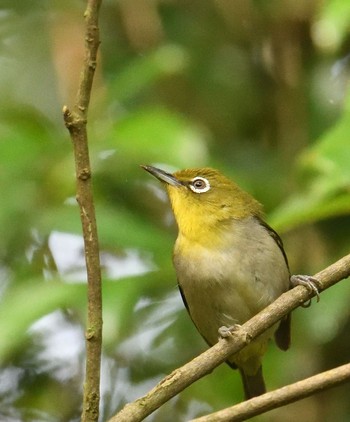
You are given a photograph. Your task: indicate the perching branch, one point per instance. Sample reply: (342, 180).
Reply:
(203, 364)
(75, 121)
(280, 397)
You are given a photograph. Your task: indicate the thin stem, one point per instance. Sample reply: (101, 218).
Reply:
(285, 395)
(76, 124)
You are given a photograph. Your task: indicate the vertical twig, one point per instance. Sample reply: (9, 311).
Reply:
(75, 121)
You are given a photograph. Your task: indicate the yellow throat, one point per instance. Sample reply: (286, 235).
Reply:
(204, 202)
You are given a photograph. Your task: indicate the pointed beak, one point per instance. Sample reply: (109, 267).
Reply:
(163, 176)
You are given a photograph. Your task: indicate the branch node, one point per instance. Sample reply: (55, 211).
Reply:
(65, 111)
(90, 334)
(84, 174)
(80, 121)
(67, 117)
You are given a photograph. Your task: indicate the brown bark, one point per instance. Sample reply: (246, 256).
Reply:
(75, 121)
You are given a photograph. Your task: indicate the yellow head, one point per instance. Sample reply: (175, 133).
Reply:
(204, 201)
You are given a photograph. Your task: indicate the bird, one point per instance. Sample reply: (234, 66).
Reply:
(230, 264)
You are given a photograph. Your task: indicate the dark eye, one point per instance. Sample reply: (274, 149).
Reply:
(199, 185)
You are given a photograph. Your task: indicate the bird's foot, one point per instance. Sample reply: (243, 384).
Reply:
(225, 332)
(309, 282)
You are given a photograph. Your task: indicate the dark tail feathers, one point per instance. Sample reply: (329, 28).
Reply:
(253, 385)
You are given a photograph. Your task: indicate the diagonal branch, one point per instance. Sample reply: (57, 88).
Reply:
(75, 121)
(280, 397)
(203, 364)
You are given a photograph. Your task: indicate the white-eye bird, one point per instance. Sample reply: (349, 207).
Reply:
(229, 263)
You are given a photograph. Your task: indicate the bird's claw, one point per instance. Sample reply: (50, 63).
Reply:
(309, 282)
(225, 332)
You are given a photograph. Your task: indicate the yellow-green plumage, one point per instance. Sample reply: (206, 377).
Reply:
(229, 263)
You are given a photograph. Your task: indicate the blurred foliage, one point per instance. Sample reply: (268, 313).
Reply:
(256, 89)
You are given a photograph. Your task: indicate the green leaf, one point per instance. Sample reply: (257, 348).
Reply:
(325, 173)
(143, 71)
(26, 302)
(332, 26)
(156, 135)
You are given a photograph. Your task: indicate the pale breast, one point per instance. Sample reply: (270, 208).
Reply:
(229, 284)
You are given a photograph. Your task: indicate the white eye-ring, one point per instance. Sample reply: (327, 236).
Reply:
(199, 185)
